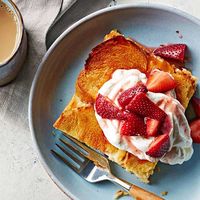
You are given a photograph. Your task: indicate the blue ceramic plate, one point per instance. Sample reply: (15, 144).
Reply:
(53, 87)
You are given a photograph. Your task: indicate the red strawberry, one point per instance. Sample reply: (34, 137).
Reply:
(196, 106)
(123, 115)
(134, 125)
(143, 106)
(159, 146)
(160, 81)
(126, 96)
(152, 127)
(195, 130)
(106, 109)
(171, 51)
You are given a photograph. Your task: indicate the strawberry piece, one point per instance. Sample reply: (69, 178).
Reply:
(171, 51)
(126, 96)
(196, 106)
(152, 127)
(134, 125)
(160, 81)
(106, 109)
(143, 106)
(195, 130)
(159, 146)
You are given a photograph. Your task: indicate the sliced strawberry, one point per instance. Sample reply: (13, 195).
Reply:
(159, 146)
(143, 106)
(123, 115)
(159, 81)
(171, 51)
(126, 96)
(196, 106)
(106, 109)
(153, 126)
(134, 125)
(195, 130)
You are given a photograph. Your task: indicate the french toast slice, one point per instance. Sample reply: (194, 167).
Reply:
(78, 118)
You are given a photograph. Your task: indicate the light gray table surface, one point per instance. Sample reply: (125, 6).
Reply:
(21, 175)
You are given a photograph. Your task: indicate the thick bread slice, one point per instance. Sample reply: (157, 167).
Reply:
(122, 53)
(78, 119)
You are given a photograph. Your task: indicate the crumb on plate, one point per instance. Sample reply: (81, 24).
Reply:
(158, 169)
(164, 193)
(179, 34)
(120, 193)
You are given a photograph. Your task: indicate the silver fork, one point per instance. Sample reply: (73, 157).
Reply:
(94, 167)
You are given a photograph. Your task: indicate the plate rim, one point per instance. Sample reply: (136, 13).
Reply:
(158, 6)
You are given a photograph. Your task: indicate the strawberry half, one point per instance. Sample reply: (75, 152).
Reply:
(143, 106)
(159, 81)
(159, 146)
(195, 130)
(126, 96)
(106, 109)
(196, 106)
(134, 125)
(171, 51)
(153, 126)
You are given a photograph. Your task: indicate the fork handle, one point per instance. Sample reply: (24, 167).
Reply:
(137, 192)
(141, 194)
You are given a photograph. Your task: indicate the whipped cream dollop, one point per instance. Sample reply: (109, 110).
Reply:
(176, 124)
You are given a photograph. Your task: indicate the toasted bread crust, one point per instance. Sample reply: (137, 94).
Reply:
(78, 118)
(105, 58)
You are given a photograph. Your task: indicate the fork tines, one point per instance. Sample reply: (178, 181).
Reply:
(78, 158)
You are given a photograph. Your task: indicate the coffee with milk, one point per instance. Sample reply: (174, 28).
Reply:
(8, 33)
